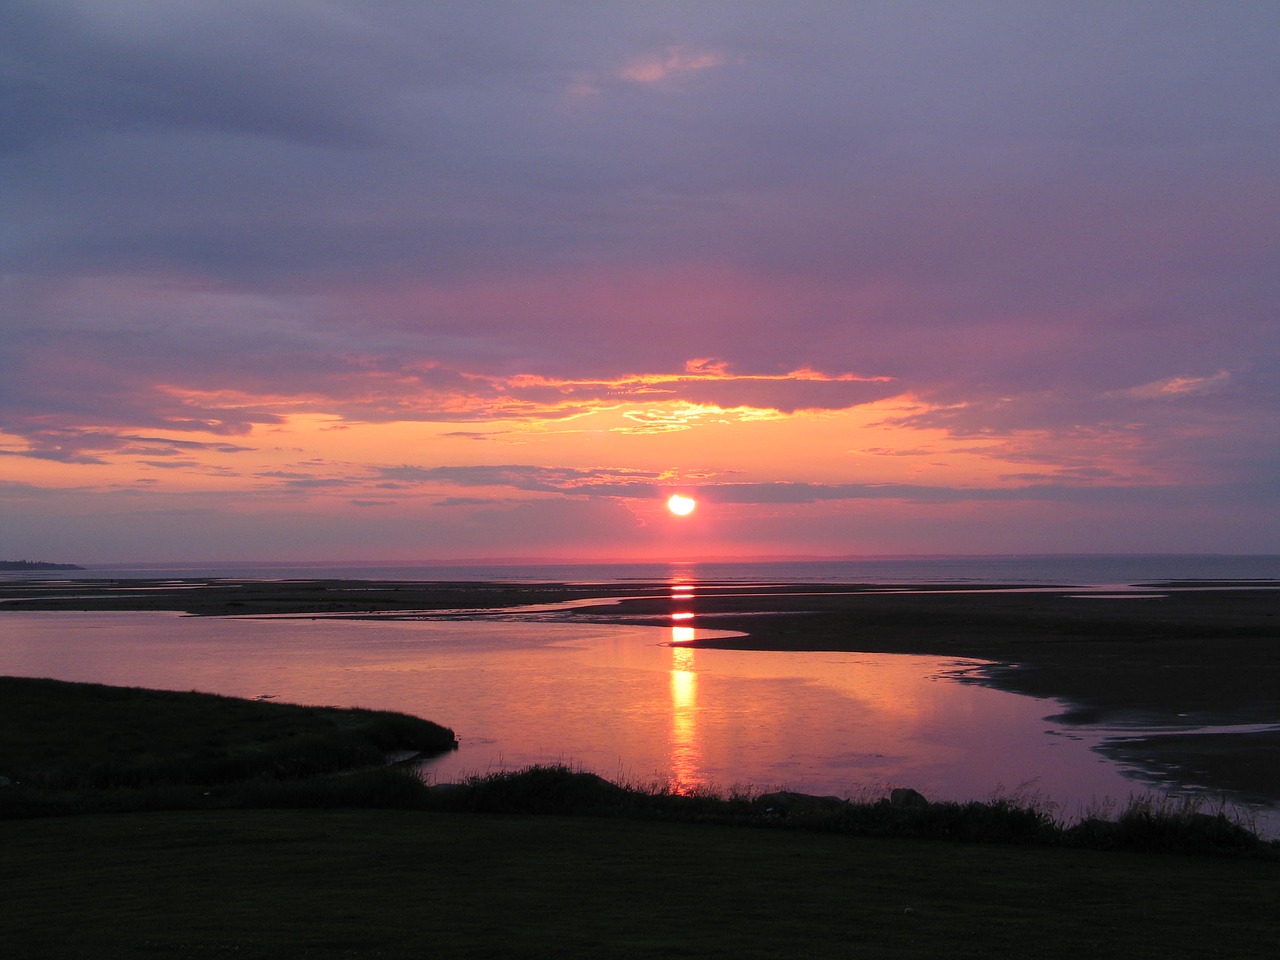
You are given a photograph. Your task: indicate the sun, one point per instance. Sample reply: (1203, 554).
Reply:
(681, 505)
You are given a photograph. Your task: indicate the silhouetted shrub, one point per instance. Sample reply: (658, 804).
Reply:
(537, 789)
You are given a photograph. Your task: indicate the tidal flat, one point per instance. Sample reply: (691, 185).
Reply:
(1190, 671)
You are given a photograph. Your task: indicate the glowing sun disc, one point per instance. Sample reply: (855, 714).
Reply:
(680, 505)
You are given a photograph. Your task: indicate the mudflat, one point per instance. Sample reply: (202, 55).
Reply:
(1167, 663)
(1167, 660)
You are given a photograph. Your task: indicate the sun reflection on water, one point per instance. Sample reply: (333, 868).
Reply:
(682, 591)
(686, 748)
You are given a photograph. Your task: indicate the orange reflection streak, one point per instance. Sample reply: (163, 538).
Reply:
(686, 749)
(682, 593)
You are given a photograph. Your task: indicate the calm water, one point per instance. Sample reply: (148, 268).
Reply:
(1081, 570)
(612, 699)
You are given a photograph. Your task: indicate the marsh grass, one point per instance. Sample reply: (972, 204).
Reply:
(1146, 824)
(70, 746)
(1176, 824)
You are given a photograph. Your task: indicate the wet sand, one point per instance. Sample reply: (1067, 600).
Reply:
(1179, 657)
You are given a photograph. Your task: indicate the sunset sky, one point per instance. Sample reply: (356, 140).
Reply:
(321, 280)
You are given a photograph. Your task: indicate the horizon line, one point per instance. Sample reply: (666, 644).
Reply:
(618, 561)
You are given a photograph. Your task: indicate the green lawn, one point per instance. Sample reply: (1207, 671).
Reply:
(390, 884)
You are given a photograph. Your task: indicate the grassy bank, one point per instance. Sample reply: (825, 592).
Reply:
(72, 747)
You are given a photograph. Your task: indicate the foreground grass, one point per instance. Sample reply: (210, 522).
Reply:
(392, 884)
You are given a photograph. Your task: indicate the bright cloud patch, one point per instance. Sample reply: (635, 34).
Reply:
(686, 416)
(708, 384)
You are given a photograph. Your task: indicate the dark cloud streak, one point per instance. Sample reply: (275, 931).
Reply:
(615, 483)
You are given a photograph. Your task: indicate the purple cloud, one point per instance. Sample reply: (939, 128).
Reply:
(1051, 229)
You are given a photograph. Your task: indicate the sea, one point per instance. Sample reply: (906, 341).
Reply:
(1010, 569)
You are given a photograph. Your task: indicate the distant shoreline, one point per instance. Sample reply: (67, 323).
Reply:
(37, 565)
(981, 569)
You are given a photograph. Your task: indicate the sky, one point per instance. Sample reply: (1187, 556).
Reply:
(326, 280)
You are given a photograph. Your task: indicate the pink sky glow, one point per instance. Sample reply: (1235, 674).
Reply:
(449, 281)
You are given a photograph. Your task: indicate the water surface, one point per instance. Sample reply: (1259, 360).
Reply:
(617, 700)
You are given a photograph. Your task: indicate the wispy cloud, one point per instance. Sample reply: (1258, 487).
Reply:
(664, 66)
(1171, 388)
(1080, 485)
(661, 70)
(639, 483)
